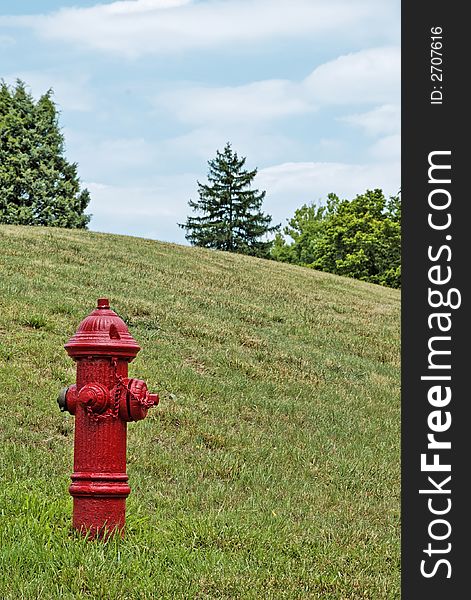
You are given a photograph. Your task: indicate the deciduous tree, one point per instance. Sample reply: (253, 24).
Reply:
(359, 238)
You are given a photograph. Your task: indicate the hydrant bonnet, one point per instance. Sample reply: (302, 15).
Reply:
(102, 333)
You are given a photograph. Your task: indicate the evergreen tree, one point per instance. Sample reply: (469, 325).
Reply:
(230, 212)
(37, 184)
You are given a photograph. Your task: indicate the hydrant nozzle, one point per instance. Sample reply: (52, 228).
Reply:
(62, 399)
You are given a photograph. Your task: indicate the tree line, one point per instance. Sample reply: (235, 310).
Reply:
(358, 238)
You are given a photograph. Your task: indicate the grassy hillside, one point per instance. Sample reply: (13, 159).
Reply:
(271, 467)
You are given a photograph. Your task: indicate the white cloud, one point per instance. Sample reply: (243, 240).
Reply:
(143, 27)
(133, 7)
(137, 159)
(371, 75)
(260, 100)
(387, 148)
(382, 120)
(324, 177)
(135, 201)
(365, 77)
(202, 143)
(289, 185)
(6, 40)
(110, 158)
(146, 210)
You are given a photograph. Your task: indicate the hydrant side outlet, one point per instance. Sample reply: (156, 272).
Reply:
(103, 401)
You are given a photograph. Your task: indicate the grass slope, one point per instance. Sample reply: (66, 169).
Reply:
(271, 467)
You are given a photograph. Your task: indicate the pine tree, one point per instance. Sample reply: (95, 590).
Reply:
(230, 212)
(37, 184)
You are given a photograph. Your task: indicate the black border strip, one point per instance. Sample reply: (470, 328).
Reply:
(427, 128)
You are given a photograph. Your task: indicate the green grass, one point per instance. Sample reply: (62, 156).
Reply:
(269, 470)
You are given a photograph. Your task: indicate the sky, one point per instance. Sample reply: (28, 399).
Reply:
(148, 90)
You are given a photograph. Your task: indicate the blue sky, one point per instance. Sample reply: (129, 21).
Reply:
(307, 90)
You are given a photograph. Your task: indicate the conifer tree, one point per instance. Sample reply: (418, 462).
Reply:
(230, 216)
(37, 184)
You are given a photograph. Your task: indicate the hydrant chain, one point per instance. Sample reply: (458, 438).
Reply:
(117, 394)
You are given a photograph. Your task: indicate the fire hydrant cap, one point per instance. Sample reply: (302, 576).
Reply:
(102, 333)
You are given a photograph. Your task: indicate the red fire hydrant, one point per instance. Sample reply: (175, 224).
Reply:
(103, 401)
